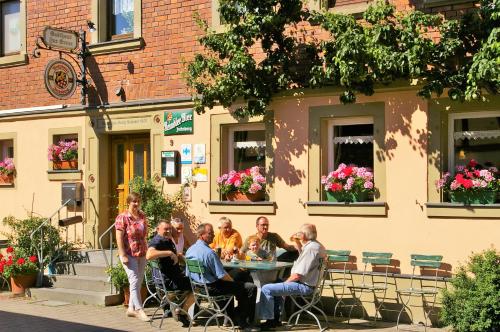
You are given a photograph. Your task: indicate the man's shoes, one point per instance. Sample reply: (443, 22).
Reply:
(270, 324)
(251, 328)
(184, 320)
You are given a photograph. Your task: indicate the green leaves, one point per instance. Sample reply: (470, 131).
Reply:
(266, 50)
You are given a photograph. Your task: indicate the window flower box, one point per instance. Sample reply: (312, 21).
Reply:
(247, 185)
(348, 184)
(64, 155)
(7, 170)
(471, 184)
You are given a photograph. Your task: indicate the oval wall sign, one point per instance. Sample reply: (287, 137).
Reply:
(60, 78)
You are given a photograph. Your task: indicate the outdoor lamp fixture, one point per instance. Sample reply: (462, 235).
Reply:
(91, 26)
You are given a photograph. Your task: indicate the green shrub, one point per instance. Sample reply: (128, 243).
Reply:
(474, 302)
(118, 276)
(21, 230)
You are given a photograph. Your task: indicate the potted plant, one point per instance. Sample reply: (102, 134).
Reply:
(247, 185)
(118, 278)
(7, 170)
(20, 269)
(348, 184)
(64, 155)
(471, 184)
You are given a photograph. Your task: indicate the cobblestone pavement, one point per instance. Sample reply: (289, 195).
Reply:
(24, 314)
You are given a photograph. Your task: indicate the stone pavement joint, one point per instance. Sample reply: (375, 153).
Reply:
(24, 314)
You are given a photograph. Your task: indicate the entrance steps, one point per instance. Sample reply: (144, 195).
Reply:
(82, 283)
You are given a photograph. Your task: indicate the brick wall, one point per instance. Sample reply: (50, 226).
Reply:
(156, 71)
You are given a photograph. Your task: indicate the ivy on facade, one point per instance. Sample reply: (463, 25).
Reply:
(269, 47)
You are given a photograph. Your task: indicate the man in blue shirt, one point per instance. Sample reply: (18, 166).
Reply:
(218, 281)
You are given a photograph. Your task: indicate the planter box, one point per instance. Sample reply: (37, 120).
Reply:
(6, 180)
(346, 197)
(484, 197)
(65, 164)
(239, 196)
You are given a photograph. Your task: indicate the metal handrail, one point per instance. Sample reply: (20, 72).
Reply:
(40, 228)
(108, 265)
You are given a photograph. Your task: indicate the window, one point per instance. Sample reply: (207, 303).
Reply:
(6, 149)
(474, 136)
(121, 19)
(247, 147)
(68, 168)
(118, 26)
(12, 33)
(345, 6)
(350, 142)
(10, 27)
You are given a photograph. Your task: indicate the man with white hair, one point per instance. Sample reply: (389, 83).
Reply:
(304, 276)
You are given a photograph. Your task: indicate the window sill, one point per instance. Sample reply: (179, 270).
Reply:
(61, 175)
(13, 60)
(116, 46)
(355, 9)
(241, 207)
(437, 3)
(454, 210)
(347, 209)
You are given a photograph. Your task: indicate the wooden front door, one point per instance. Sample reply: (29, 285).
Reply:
(130, 159)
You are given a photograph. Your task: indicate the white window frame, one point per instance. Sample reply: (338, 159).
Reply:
(451, 130)
(231, 131)
(342, 122)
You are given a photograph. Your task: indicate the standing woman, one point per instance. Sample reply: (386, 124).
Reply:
(131, 232)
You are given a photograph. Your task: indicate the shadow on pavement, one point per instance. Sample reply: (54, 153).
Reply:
(22, 322)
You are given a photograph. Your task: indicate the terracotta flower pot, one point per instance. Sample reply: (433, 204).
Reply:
(239, 196)
(20, 283)
(126, 295)
(65, 164)
(6, 179)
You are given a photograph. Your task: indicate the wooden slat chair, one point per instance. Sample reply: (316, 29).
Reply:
(214, 305)
(170, 301)
(307, 303)
(374, 282)
(339, 276)
(425, 288)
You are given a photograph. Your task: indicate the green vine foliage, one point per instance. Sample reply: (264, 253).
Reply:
(265, 51)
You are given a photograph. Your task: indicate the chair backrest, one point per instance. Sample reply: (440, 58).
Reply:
(157, 277)
(200, 288)
(338, 257)
(426, 261)
(379, 259)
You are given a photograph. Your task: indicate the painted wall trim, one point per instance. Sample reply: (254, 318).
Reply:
(242, 207)
(455, 210)
(348, 209)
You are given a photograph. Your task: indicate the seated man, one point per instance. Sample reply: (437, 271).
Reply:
(270, 241)
(162, 247)
(218, 281)
(302, 281)
(227, 239)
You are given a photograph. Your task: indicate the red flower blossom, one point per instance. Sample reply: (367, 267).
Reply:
(472, 163)
(247, 171)
(10, 249)
(336, 187)
(347, 171)
(9, 262)
(21, 261)
(33, 259)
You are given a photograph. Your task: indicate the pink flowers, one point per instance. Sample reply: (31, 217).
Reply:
(7, 166)
(348, 179)
(470, 178)
(249, 180)
(64, 150)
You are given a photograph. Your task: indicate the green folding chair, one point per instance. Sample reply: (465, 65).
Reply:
(214, 305)
(339, 276)
(373, 282)
(424, 287)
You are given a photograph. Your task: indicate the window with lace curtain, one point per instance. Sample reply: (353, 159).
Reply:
(247, 147)
(10, 27)
(121, 18)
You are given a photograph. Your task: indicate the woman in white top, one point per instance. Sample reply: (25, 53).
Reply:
(180, 241)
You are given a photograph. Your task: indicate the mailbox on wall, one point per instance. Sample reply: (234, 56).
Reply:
(72, 191)
(169, 164)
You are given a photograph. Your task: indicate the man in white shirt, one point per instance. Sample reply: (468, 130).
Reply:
(304, 275)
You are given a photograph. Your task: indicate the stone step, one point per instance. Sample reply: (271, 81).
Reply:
(86, 269)
(89, 283)
(96, 256)
(76, 296)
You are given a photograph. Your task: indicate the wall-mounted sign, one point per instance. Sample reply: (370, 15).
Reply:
(199, 154)
(60, 38)
(178, 122)
(186, 150)
(186, 174)
(60, 78)
(200, 174)
(169, 164)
